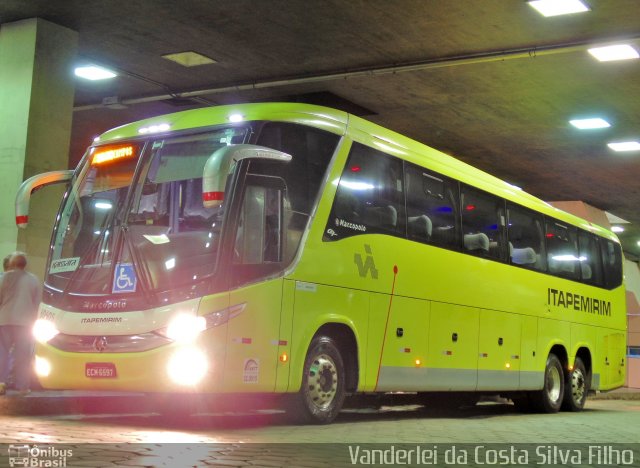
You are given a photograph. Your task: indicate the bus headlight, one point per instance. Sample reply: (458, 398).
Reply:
(185, 328)
(187, 366)
(43, 330)
(42, 367)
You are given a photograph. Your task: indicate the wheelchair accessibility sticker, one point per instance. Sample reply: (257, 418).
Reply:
(124, 278)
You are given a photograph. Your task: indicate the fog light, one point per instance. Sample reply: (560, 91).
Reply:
(187, 366)
(42, 367)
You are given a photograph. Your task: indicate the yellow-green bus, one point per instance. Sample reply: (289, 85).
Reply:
(295, 249)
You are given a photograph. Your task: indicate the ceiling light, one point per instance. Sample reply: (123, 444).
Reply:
(625, 146)
(189, 59)
(617, 228)
(558, 7)
(94, 73)
(586, 124)
(614, 52)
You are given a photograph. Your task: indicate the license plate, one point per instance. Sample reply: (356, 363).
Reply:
(100, 370)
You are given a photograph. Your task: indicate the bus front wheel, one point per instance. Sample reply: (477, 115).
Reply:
(549, 399)
(323, 384)
(576, 388)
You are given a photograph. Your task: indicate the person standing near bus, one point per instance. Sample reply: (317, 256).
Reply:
(20, 294)
(5, 264)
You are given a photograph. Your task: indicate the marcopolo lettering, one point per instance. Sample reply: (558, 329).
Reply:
(569, 300)
(357, 227)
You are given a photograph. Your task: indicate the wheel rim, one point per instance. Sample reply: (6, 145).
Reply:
(322, 381)
(554, 384)
(577, 385)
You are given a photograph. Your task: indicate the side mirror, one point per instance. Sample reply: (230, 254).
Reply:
(221, 163)
(31, 185)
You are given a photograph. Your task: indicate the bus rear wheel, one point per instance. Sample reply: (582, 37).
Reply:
(549, 399)
(576, 387)
(322, 393)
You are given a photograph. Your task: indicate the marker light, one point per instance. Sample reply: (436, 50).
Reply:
(236, 118)
(418, 362)
(185, 328)
(187, 366)
(44, 330)
(42, 367)
(163, 127)
(284, 357)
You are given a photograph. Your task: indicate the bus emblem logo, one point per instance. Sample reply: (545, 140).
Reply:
(368, 265)
(124, 278)
(100, 344)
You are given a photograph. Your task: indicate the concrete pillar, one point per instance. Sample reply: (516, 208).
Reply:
(36, 106)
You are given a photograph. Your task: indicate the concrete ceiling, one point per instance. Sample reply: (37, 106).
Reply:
(491, 82)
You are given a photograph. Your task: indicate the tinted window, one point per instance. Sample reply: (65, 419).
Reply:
(311, 151)
(369, 198)
(483, 223)
(526, 238)
(612, 262)
(590, 264)
(432, 202)
(562, 250)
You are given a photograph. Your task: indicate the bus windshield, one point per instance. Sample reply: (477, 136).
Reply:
(134, 220)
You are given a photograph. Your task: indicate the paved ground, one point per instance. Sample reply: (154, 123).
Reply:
(102, 430)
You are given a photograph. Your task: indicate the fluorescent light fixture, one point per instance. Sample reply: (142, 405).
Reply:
(614, 52)
(558, 7)
(617, 228)
(189, 59)
(587, 124)
(94, 73)
(625, 146)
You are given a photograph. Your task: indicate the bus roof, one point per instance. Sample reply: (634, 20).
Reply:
(359, 129)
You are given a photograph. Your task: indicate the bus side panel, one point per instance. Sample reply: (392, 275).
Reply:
(582, 336)
(611, 362)
(552, 332)
(499, 350)
(316, 305)
(404, 350)
(253, 337)
(453, 347)
(532, 362)
(284, 345)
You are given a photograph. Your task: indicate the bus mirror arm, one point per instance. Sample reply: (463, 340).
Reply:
(33, 184)
(222, 162)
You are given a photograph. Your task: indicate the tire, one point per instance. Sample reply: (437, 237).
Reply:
(549, 399)
(576, 387)
(322, 393)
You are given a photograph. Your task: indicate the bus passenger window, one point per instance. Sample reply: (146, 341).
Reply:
(562, 250)
(590, 263)
(483, 222)
(369, 197)
(526, 238)
(612, 261)
(431, 207)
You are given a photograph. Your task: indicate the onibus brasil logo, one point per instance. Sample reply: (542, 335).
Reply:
(38, 456)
